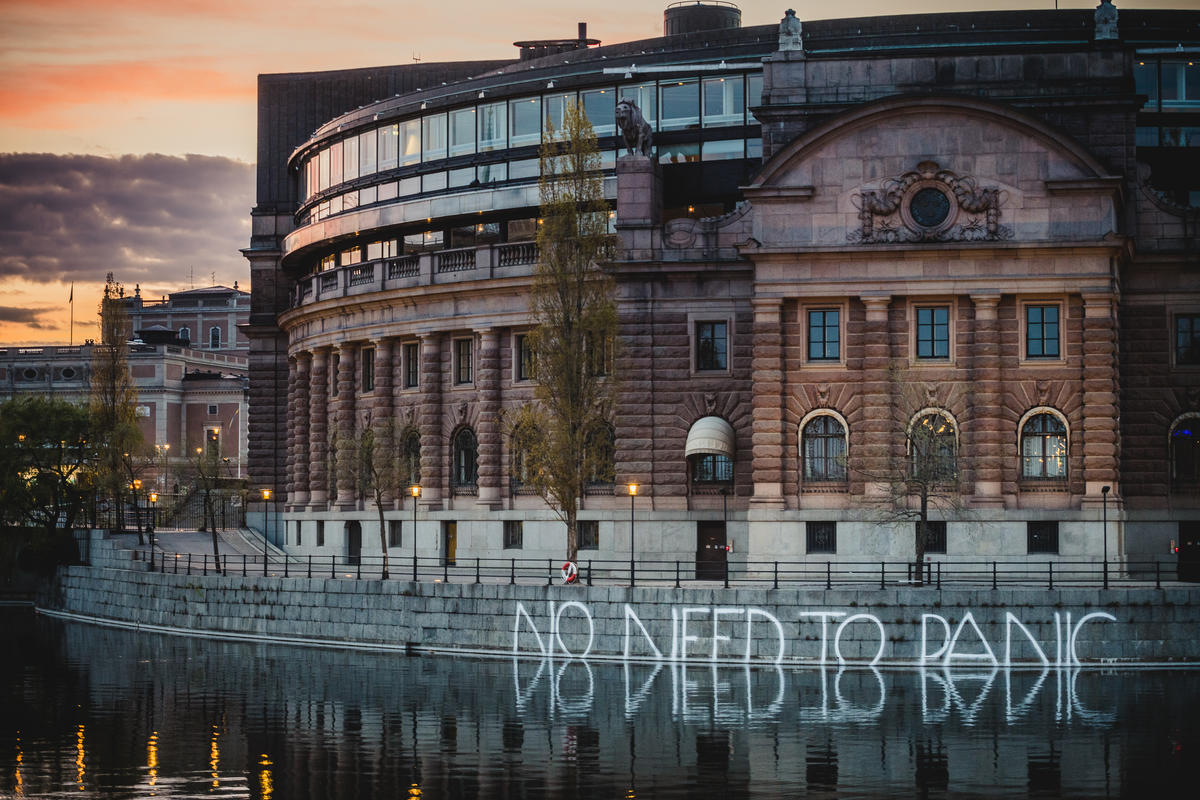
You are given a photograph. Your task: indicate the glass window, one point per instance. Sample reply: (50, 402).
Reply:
(1041, 331)
(433, 137)
(1187, 339)
(933, 332)
(349, 201)
(385, 249)
(514, 534)
(600, 105)
(723, 150)
(351, 256)
(754, 148)
(645, 95)
(214, 337)
(1044, 448)
(389, 147)
(820, 537)
(526, 168)
(824, 446)
(409, 186)
(367, 144)
(712, 468)
(1185, 454)
(462, 360)
(711, 345)
(350, 158)
(724, 101)
(411, 365)
(423, 242)
(185, 333)
(462, 131)
(493, 126)
(1042, 537)
(433, 181)
(680, 104)
(524, 358)
(368, 369)
(589, 534)
(410, 458)
(603, 441)
(466, 460)
(368, 195)
(522, 230)
(824, 334)
(387, 191)
(336, 164)
(461, 177)
(933, 449)
(410, 142)
(1145, 77)
(525, 121)
(394, 533)
(682, 153)
(935, 535)
(753, 95)
(324, 170)
(493, 173)
(334, 205)
(555, 108)
(328, 262)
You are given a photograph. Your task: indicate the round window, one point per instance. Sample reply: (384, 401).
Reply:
(29, 374)
(929, 207)
(68, 373)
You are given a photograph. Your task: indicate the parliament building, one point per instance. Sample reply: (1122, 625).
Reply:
(982, 224)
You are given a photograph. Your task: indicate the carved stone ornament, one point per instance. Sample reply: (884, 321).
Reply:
(822, 395)
(710, 403)
(931, 395)
(1043, 391)
(929, 204)
(1106, 21)
(638, 136)
(1193, 398)
(791, 33)
(462, 413)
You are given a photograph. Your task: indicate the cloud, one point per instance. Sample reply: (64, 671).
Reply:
(25, 316)
(152, 218)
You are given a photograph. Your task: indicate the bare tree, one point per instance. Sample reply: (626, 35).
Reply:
(376, 471)
(574, 308)
(207, 468)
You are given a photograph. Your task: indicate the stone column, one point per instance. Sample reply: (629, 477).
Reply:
(877, 435)
(768, 434)
(318, 418)
(434, 449)
(1100, 408)
(293, 397)
(488, 384)
(345, 429)
(985, 446)
(299, 426)
(382, 412)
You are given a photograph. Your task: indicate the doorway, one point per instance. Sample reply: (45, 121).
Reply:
(710, 551)
(353, 541)
(449, 541)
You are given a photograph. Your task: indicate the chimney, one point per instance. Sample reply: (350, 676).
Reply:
(583, 31)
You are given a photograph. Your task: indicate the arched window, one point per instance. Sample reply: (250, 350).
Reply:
(410, 458)
(1044, 448)
(604, 451)
(824, 449)
(709, 451)
(185, 334)
(1185, 454)
(519, 443)
(214, 337)
(933, 448)
(465, 460)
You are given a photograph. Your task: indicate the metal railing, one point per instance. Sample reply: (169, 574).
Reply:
(748, 574)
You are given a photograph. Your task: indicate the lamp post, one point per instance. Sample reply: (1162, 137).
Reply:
(633, 487)
(415, 491)
(266, 494)
(136, 486)
(1104, 495)
(153, 516)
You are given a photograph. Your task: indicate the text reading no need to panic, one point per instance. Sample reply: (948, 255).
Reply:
(730, 633)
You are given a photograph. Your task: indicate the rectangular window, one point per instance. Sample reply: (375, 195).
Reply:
(723, 150)
(336, 164)
(525, 121)
(299, 528)
(555, 109)
(753, 94)
(368, 369)
(711, 346)
(935, 536)
(410, 142)
(600, 356)
(493, 126)
(1041, 331)
(334, 361)
(824, 335)
(589, 534)
(526, 168)
(493, 173)
(462, 131)
(394, 533)
(212, 410)
(461, 177)
(433, 137)
(933, 332)
(524, 358)
(1187, 338)
(680, 104)
(433, 181)
(320, 533)
(323, 169)
(350, 158)
(645, 95)
(389, 147)
(600, 106)
(820, 537)
(411, 365)
(1042, 537)
(367, 143)
(514, 534)
(724, 101)
(462, 360)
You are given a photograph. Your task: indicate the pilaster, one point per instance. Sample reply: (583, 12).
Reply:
(767, 431)
(488, 384)
(318, 416)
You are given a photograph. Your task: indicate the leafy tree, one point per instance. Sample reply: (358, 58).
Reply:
(573, 306)
(113, 407)
(44, 458)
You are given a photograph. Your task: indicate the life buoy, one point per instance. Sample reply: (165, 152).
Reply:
(570, 572)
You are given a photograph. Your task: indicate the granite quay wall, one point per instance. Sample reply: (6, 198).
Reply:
(903, 625)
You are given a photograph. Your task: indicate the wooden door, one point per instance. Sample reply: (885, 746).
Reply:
(710, 551)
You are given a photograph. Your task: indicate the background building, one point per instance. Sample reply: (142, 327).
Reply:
(980, 224)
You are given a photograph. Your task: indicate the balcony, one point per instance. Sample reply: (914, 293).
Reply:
(418, 269)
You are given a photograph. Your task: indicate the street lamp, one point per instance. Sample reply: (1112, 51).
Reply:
(136, 486)
(633, 487)
(415, 491)
(153, 516)
(266, 495)
(1104, 495)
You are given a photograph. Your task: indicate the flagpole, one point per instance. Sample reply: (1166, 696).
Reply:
(71, 300)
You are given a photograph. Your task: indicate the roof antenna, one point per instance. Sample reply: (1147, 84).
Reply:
(416, 57)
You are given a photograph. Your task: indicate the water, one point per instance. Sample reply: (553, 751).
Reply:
(90, 712)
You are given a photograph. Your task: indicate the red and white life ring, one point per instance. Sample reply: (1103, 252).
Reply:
(570, 572)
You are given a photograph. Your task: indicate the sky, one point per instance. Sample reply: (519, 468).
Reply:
(127, 127)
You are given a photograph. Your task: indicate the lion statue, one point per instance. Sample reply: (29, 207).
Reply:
(634, 128)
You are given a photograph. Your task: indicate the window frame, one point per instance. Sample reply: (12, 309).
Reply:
(215, 329)
(1027, 419)
(407, 452)
(698, 349)
(366, 369)
(915, 324)
(1023, 321)
(1188, 483)
(463, 361)
(909, 444)
(460, 480)
(814, 531)
(410, 363)
(514, 535)
(936, 531)
(810, 419)
(1176, 317)
(1038, 530)
(523, 368)
(805, 320)
(588, 531)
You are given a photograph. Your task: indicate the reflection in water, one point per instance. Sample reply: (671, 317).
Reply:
(93, 712)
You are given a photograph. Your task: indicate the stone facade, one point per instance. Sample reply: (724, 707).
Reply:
(935, 232)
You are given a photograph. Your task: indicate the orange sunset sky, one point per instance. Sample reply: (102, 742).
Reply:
(127, 127)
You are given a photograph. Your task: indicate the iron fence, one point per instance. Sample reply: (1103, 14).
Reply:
(749, 574)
